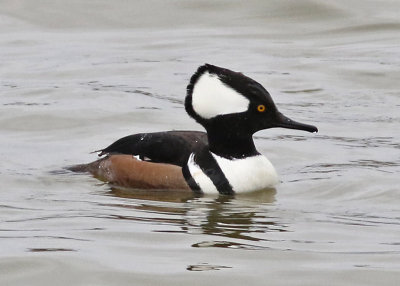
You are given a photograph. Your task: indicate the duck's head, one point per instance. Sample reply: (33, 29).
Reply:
(228, 101)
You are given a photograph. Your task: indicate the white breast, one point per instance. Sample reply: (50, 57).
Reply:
(248, 174)
(202, 180)
(244, 175)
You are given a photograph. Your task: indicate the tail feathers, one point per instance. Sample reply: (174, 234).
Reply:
(81, 168)
(87, 168)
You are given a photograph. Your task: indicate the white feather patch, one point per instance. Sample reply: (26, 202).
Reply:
(202, 180)
(211, 97)
(248, 174)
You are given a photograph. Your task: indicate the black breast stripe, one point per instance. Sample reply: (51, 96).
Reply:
(190, 181)
(210, 167)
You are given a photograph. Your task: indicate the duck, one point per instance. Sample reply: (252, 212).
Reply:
(231, 107)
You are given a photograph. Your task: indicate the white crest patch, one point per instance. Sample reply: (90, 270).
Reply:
(248, 174)
(211, 97)
(202, 180)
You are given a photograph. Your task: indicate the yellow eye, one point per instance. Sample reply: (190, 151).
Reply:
(261, 108)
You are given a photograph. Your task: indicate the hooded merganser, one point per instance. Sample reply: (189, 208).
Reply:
(231, 107)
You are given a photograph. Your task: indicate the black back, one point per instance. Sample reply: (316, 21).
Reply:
(171, 147)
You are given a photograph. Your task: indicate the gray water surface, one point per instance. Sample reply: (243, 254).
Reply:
(77, 75)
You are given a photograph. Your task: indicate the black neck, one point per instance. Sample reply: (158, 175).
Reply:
(231, 145)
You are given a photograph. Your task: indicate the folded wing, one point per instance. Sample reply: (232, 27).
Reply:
(171, 147)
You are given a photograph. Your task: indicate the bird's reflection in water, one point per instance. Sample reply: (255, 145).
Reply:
(152, 195)
(238, 217)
